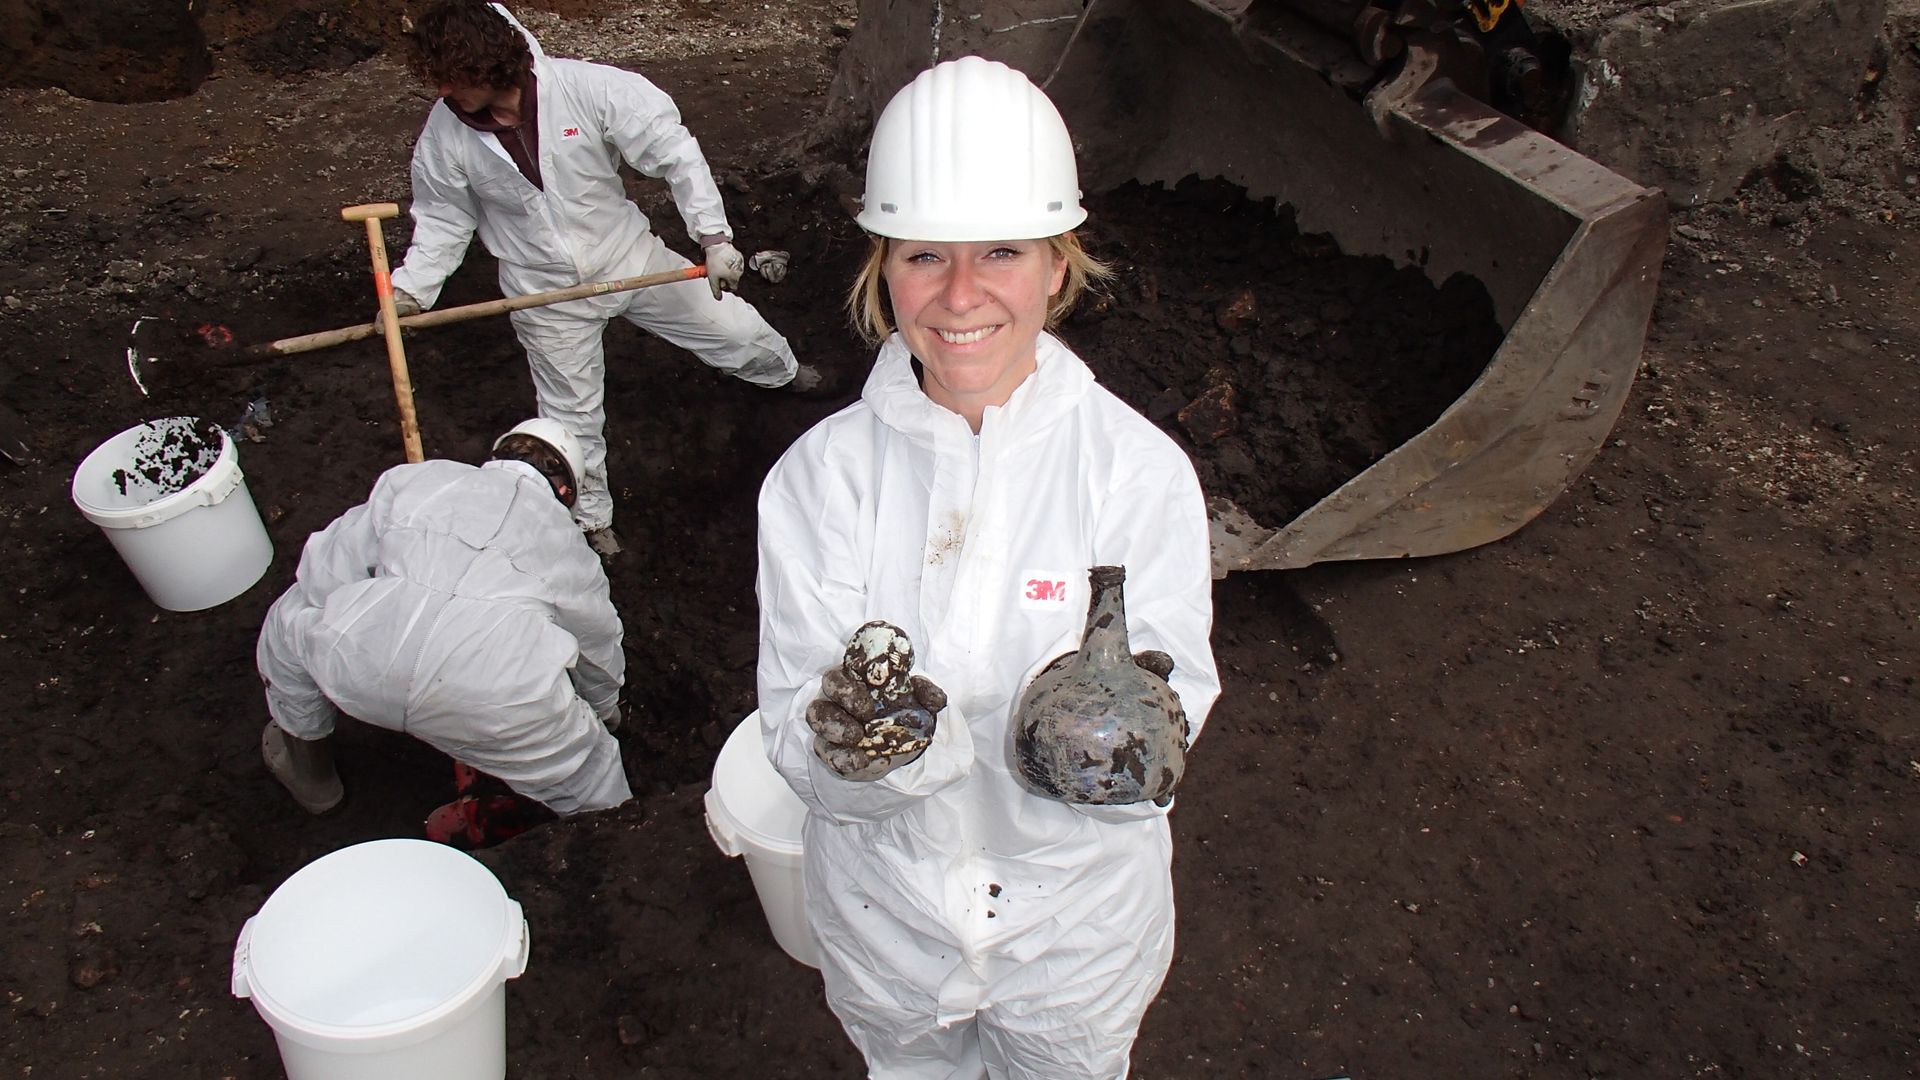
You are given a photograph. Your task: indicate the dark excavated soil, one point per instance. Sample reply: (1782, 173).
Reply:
(1314, 363)
(170, 456)
(152, 50)
(1629, 794)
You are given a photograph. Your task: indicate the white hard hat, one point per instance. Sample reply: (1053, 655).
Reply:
(555, 435)
(971, 151)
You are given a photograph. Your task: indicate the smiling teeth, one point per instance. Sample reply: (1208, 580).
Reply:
(967, 338)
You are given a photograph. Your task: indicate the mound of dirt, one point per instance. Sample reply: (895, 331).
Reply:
(127, 51)
(107, 50)
(310, 39)
(1282, 366)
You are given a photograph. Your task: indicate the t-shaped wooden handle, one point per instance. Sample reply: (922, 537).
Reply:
(372, 210)
(372, 213)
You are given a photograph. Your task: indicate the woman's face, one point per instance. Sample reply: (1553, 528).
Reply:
(972, 314)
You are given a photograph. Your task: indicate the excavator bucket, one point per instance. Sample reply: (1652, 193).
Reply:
(1373, 124)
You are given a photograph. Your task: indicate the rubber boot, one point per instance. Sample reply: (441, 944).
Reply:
(304, 767)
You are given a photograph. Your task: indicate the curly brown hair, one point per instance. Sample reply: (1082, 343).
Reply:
(467, 43)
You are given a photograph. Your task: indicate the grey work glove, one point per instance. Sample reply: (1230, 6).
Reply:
(725, 264)
(1153, 660)
(771, 265)
(872, 715)
(403, 306)
(856, 744)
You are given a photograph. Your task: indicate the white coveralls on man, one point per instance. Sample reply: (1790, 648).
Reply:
(969, 927)
(582, 228)
(462, 606)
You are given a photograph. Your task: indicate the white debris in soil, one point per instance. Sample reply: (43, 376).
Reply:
(1817, 474)
(650, 32)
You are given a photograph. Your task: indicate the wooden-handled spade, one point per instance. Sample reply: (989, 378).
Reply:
(373, 214)
(145, 351)
(326, 339)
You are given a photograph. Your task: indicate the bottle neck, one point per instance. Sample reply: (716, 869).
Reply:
(1106, 638)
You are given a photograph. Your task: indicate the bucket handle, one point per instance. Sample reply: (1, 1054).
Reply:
(514, 956)
(242, 986)
(720, 826)
(211, 495)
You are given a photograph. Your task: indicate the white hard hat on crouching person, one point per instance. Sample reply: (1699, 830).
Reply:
(554, 434)
(971, 151)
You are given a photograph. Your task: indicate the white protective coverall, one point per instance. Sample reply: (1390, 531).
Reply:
(462, 606)
(969, 927)
(582, 228)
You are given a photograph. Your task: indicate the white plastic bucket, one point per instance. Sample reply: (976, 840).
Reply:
(752, 812)
(385, 961)
(193, 549)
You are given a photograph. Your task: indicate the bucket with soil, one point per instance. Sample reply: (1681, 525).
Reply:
(170, 496)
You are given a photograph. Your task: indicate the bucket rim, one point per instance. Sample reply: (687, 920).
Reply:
(510, 958)
(723, 822)
(209, 489)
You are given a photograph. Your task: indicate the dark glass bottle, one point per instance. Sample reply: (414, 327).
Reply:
(1095, 727)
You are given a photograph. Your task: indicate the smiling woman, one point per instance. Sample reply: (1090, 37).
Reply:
(968, 923)
(952, 296)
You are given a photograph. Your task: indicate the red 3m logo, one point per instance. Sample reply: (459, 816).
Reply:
(569, 133)
(1043, 590)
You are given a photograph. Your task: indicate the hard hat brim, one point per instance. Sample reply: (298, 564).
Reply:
(944, 231)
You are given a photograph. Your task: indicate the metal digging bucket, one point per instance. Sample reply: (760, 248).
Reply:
(1409, 167)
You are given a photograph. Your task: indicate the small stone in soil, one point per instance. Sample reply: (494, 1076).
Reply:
(1211, 415)
(91, 966)
(632, 1031)
(1239, 312)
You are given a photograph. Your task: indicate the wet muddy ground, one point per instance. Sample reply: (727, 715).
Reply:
(1630, 793)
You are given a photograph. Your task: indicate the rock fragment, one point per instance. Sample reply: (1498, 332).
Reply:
(1211, 415)
(1238, 313)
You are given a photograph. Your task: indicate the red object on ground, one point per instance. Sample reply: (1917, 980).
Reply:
(472, 821)
(465, 777)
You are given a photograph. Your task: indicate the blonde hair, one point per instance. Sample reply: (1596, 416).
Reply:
(868, 312)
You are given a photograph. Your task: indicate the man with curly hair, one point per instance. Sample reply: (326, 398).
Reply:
(525, 150)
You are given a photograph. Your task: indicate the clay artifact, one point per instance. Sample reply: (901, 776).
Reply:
(1101, 726)
(894, 708)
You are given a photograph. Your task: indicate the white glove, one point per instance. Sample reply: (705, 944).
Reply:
(403, 306)
(771, 265)
(725, 264)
